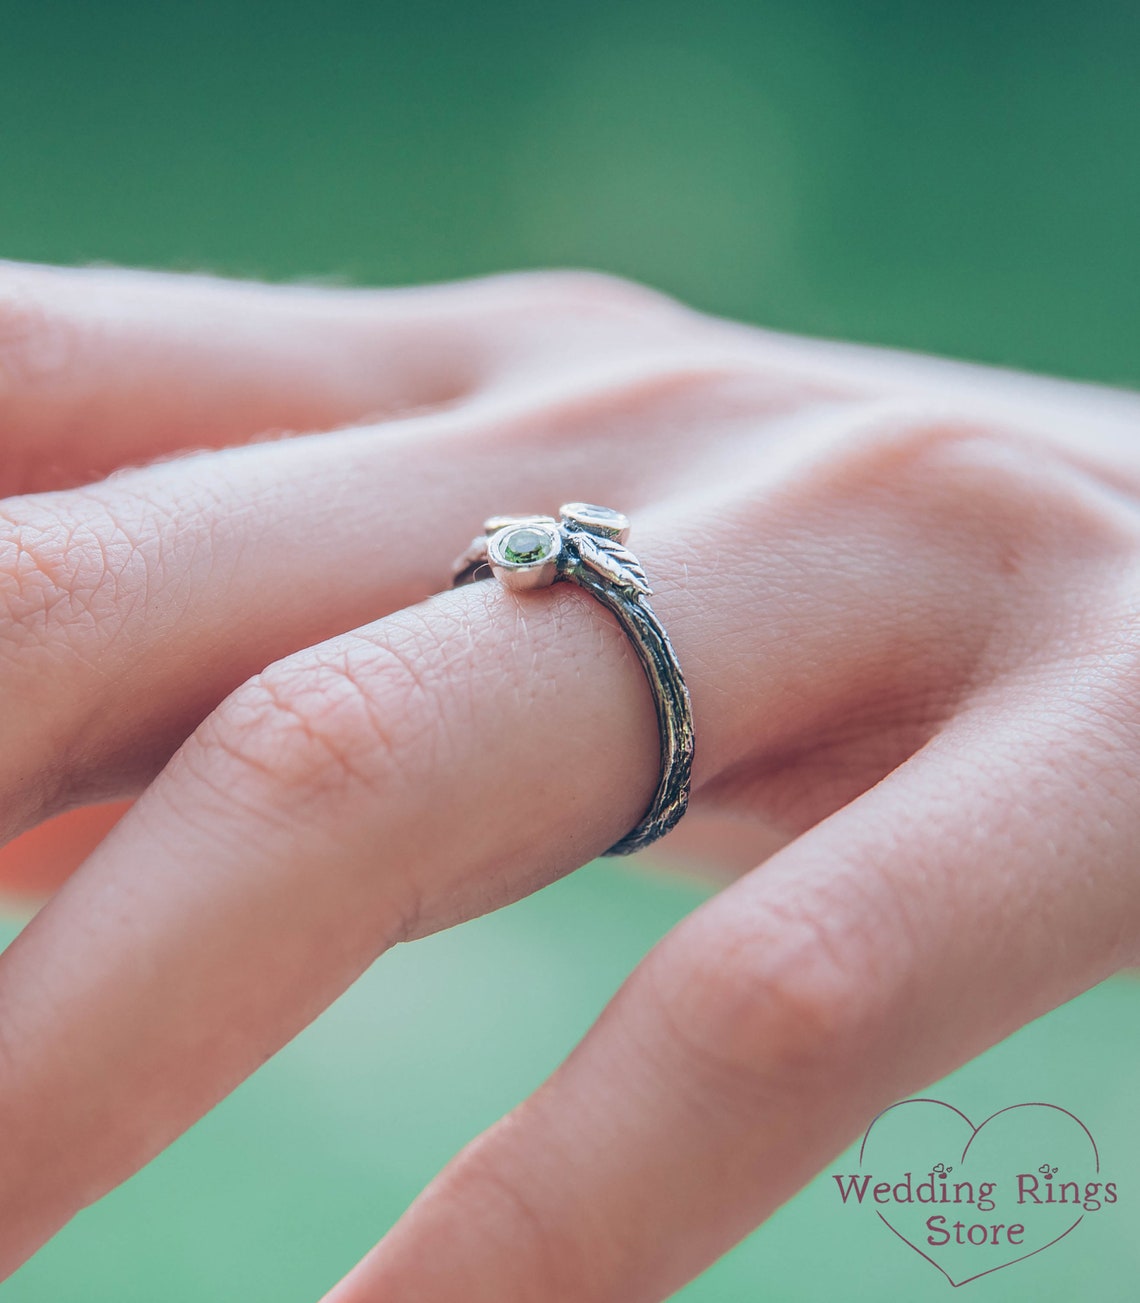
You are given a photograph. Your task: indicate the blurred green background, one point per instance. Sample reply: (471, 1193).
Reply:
(960, 178)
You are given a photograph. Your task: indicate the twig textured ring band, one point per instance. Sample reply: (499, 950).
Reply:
(587, 547)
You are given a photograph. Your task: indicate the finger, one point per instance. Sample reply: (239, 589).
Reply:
(100, 368)
(129, 608)
(954, 902)
(35, 864)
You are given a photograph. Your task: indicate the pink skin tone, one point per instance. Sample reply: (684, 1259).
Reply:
(904, 593)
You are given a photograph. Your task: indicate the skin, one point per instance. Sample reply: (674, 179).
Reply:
(904, 593)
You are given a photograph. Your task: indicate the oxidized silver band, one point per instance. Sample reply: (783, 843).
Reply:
(586, 546)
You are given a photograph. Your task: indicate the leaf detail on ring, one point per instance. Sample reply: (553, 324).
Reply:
(611, 560)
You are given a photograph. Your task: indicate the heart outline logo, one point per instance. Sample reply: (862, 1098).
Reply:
(975, 1131)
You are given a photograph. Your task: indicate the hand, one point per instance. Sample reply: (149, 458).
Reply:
(904, 595)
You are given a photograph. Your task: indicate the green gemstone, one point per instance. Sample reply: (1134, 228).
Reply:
(525, 545)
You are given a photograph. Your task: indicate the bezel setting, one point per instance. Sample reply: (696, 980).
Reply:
(604, 521)
(520, 569)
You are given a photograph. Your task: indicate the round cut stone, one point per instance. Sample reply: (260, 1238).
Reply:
(524, 545)
(598, 520)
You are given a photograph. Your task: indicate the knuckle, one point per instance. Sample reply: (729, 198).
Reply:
(993, 521)
(902, 444)
(657, 398)
(482, 1179)
(577, 289)
(765, 1007)
(325, 723)
(1008, 497)
(669, 395)
(68, 575)
(675, 375)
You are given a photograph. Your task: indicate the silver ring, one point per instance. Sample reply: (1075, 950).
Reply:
(587, 547)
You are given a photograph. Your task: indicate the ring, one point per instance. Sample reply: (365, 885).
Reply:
(587, 547)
